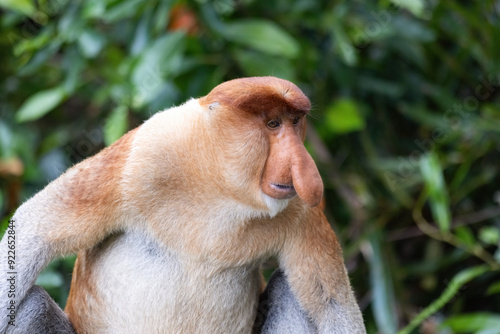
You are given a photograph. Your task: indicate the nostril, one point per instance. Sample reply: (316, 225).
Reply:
(283, 186)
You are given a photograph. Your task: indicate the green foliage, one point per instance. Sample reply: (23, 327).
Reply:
(40, 103)
(456, 283)
(480, 323)
(263, 36)
(116, 125)
(23, 6)
(405, 125)
(343, 116)
(384, 304)
(438, 196)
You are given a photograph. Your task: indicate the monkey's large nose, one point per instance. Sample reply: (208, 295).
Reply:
(306, 179)
(290, 169)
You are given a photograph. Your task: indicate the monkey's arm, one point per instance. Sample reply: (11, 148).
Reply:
(313, 293)
(74, 212)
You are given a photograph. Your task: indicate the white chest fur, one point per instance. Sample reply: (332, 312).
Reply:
(147, 289)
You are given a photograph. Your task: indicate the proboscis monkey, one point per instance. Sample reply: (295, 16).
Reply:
(172, 222)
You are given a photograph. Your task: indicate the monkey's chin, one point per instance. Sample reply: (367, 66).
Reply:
(275, 205)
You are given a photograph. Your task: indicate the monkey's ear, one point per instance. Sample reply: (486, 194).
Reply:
(213, 106)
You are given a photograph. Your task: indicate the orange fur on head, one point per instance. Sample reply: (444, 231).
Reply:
(259, 95)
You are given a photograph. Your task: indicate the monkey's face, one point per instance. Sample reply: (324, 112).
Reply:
(289, 169)
(264, 120)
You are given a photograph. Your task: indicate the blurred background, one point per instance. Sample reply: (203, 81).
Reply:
(405, 126)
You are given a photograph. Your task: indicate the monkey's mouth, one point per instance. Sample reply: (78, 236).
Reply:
(284, 190)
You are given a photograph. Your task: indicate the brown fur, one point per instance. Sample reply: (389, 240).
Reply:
(89, 193)
(313, 259)
(99, 192)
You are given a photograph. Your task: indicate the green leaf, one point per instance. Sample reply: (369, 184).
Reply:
(71, 24)
(158, 60)
(7, 148)
(413, 31)
(161, 60)
(39, 59)
(343, 46)
(489, 330)
(121, 10)
(91, 43)
(438, 196)
(73, 64)
(116, 125)
(258, 64)
(343, 116)
(50, 279)
(384, 303)
(473, 322)
(24, 6)
(263, 35)
(380, 86)
(422, 115)
(142, 33)
(28, 45)
(496, 255)
(451, 290)
(161, 16)
(416, 7)
(490, 235)
(40, 104)
(93, 9)
(465, 235)
(4, 222)
(493, 289)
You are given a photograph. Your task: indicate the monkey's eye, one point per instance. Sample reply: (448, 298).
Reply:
(296, 120)
(273, 124)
